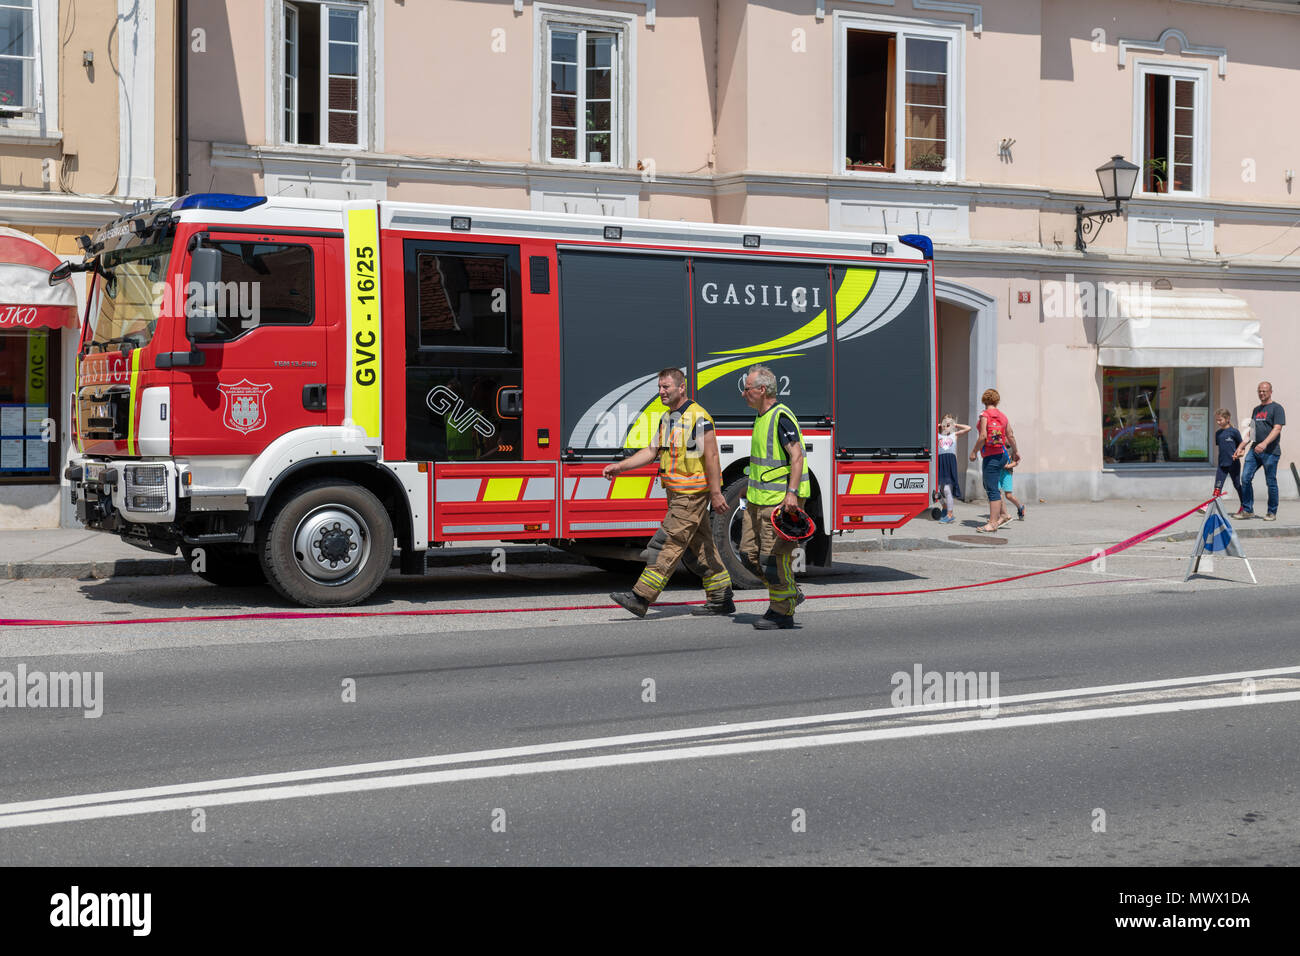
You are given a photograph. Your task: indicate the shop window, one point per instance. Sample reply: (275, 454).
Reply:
(1156, 415)
(29, 436)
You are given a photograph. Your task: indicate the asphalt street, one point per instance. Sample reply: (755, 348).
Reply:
(1139, 720)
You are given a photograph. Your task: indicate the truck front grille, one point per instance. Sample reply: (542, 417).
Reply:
(146, 488)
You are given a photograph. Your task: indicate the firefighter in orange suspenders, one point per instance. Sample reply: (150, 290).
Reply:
(778, 487)
(692, 478)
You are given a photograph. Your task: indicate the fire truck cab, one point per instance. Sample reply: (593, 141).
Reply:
(287, 389)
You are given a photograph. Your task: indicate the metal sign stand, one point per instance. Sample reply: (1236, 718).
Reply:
(1215, 536)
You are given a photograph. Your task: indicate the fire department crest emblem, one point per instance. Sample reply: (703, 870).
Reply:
(245, 406)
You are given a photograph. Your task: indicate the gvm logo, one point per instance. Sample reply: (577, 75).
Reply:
(908, 483)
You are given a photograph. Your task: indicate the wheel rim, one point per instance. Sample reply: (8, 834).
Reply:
(331, 545)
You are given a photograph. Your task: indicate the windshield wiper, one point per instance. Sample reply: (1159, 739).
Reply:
(127, 340)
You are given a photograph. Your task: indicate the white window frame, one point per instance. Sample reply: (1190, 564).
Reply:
(370, 84)
(623, 132)
(1200, 130)
(38, 121)
(903, 29)
(290, 72)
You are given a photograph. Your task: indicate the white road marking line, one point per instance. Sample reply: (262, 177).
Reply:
(593, 743)
(263, 794)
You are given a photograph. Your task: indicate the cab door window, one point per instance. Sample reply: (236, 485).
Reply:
(263, 283)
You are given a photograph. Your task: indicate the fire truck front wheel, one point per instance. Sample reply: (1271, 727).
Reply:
(328, 544)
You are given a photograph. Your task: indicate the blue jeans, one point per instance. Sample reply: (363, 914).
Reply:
(993, 475)
(1253, 462)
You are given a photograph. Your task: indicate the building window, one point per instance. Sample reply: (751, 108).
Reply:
(19, 63)
(584, 86)
(1155, 415)
(899, 99)
(28, 76)
(323, 82)
(1171, 129)
(585, 104)
(29, 405)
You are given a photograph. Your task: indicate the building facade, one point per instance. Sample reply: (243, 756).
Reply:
(87, 127)
(979, 124)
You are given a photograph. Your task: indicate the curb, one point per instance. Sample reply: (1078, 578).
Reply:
(437, 558)
(157, 567)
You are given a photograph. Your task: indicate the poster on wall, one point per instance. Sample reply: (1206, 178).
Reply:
(11, 454)
(11, 420)
(1193, 432)
(34, 419)
(38, 453)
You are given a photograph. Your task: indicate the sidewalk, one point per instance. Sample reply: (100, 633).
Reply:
(1072, 526)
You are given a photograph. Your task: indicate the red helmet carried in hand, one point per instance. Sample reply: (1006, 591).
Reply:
(793, 523)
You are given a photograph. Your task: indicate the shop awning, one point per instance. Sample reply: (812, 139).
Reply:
(27, 300)
(1140, 327)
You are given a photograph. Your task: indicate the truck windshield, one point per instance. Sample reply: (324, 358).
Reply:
(128, 291)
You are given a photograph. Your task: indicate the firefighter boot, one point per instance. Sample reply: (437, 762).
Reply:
(631, 601)
(774, 622)
(719, 608)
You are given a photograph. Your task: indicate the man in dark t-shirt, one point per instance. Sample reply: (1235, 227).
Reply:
(1268, 417)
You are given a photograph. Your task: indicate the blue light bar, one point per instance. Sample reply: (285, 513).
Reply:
(228, 202)
(919, 242)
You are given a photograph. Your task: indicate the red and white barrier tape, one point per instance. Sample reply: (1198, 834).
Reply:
(427, 612)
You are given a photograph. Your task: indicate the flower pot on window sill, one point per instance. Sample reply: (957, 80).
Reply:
(869, 167)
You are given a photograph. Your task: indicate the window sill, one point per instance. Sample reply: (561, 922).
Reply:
(577, 164)
(20, 136)
(1157, 467)
(905, 176)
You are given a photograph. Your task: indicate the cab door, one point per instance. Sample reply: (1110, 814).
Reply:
(266, 373)
(464, 392)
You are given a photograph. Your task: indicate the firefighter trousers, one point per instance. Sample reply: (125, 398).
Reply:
(770, 555)
(687, 528)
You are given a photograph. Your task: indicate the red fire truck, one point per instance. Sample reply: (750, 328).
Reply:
(288, 390)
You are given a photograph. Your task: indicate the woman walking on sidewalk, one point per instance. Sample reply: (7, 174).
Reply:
(995, 439)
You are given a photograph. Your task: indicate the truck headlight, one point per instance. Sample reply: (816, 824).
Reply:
(146, 488)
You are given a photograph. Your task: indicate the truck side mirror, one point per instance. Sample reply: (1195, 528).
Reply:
(60, 272)
(200, 315)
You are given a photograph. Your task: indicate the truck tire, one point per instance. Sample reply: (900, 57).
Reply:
(327, 544)
(726, 533)
(224, 565)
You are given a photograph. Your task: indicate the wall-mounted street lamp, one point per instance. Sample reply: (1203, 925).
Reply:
(1117, 178)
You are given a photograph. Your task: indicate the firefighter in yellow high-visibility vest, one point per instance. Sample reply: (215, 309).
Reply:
(777, 480)
(689, 470)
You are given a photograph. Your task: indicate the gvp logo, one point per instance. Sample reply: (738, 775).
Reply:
(443, 401)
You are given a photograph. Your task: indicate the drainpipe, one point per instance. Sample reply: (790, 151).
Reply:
(182, 98)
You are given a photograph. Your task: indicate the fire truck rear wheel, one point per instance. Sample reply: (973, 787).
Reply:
(727, 531)
(328, 544)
